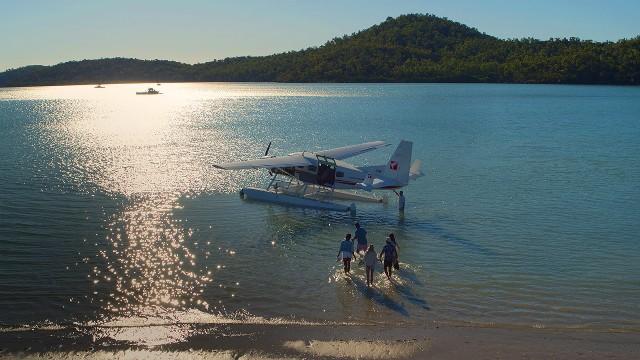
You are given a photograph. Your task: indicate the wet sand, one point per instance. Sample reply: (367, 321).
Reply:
(268, 341)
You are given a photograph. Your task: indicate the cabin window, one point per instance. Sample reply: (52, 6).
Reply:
(311, 168)
(286, 171)
(339, 174)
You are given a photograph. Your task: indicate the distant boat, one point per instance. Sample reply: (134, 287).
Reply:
(158, 84)
(99, 86)
(150, 91)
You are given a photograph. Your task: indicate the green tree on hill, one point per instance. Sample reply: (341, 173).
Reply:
(408, 48)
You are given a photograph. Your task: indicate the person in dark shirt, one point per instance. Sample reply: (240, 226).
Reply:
(361, 237)
(394, 242)
(389, 253)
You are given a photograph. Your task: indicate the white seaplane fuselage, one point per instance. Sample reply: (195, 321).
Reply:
(345, 176)
(312, 178)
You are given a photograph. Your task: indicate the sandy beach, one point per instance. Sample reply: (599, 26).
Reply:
(262, 341)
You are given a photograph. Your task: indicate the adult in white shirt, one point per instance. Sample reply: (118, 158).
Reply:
(370, 260)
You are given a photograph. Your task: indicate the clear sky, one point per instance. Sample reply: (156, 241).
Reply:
(49, 32)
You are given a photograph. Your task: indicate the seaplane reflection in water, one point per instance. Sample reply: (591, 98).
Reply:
(314, 179)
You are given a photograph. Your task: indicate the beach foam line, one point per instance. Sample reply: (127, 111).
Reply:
(339, 349)
(187, 317)
(360, 349)
(144, 355)
(197, 317)
(39, 327)
(177, 328)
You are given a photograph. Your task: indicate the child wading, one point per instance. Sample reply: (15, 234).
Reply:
(370, 260)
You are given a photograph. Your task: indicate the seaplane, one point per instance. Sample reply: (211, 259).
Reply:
(150, 91)
(315, 179)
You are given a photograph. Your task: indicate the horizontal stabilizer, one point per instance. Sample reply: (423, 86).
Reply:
(416, 170)
(379, 184)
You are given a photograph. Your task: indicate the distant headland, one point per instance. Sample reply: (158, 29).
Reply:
(408, 48)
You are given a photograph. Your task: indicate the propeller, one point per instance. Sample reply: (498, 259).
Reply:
(267, 151)
(266, 154)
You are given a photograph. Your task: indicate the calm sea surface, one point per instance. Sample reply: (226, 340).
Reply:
(111, 211)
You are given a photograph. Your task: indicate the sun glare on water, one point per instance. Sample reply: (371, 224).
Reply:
(149, 151)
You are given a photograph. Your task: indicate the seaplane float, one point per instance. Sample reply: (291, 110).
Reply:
(315, 179)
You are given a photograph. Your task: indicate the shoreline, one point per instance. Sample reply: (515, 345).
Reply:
(136, 82)
(268, 341)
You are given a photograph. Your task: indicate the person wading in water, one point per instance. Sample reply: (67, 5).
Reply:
(346, 252)
(389, 253)
(361, 237)
(370, 260)
(396, 262)
(401, 201)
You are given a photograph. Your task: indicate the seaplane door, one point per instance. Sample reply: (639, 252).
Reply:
(326, 175)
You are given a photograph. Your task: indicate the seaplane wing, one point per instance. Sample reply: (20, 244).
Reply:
(266, 163)
(345, 152)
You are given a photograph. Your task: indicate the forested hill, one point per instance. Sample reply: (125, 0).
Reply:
(409, 48)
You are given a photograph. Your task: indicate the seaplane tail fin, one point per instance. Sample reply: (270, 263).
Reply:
(399, 164)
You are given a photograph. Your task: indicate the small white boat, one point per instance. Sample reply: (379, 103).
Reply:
(99, 86)
(150, 91)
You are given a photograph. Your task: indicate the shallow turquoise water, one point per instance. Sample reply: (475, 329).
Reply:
(528, 216)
